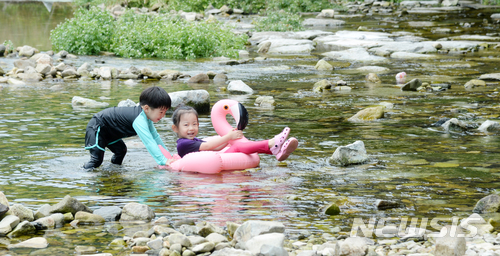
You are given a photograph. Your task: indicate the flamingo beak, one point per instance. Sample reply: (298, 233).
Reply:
(240, 115)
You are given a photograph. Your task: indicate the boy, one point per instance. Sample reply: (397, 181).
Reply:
(108, 127)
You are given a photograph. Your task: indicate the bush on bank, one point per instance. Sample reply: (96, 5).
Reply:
(248, 6)
(142, 36)
(279, 21)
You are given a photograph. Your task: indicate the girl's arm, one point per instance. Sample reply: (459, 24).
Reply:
(214, 143)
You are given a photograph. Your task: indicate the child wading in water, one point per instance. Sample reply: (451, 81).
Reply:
(107, 128)
(186, 126)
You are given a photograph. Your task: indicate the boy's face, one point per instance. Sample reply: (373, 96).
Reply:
(154, 114)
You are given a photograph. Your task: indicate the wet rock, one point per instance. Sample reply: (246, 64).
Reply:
(448, 3)
(79, 102)
(264, 47)
(203, 247)
(411, 55)
(220, 78)
(44, 223)
(455, 125)
(342, 88)
(290, 46)
(83, 70)
(31, 77)
(312, 22)
(2, 72)
(216, 238)
(354, 153)
(63, 54)
(199, 78)
(149, 73)
(59, 219)
(256, 243)
(156, 244)
(474, 83)
(80, 249)
(487, 204)
(492, 76)
(326, 13)
(3, 209)
(123, 103)
(323, 65)
(232, 252)
(15, 82)
(69, 72)
(206, 229)
(238, 86)
(450, 244)
(487, 126)
(198, 99)
(331, 209)
(353, 246)
(253, 228)
(413, 85)
(34, 243)
(476, 225)
(265, 101)
(368, 114)
(243, 54)
(86, 218)
(23, 228)
(373, 69)
(495, 16)
(388, 204)
(22, 212)
(43, 68)
(2, 50)
(23, 63)
(3, 199)
(354, 54)
(27, 51)
(179, 239)
(322, 86)
(372, 78)
(7, 224)
(105, 73)
(135, 211)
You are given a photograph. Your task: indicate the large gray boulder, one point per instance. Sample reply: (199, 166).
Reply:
(22, 212)
(79, 102)
(137, 212)
(7, 224)
(109, 213)
(253, 228)
(69, 204)
(198, 99)
(368, 114)
(488, 204)
(33, 243)
(354, 153)
(23, 228)
(27, 51)
(239, 87)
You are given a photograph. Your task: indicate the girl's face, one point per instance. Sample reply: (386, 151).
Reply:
(154, 114)
(187, 127)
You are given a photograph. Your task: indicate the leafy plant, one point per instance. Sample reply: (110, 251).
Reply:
(9, 46)
(279, 21)
(88, 32)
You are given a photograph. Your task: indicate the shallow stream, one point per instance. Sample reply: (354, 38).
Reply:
(434, 173)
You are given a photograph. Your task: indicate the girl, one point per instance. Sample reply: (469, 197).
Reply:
(186, 126)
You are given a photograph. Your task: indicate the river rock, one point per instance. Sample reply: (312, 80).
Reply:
(3, 200)
(312, 22)
(23, 64)
(373, 69)
(83, 70)
(27, 51)
(220, 78)
(492, 76)
(69, 72)
(331, 209)
(253, 228)
(2, 72)
(232, 252)
(198, 99)
(203, 247)
(15, 82)
(488, 204)
(44, 223)
(69, 204)
(34, 243)
(238, 86)
(353, 246)
(43, 68)
(411, 55)
(216, 238)
(495, 16)
(264, 47)
(199, 78)
(105, 73)
(322, 86)
(265, 101)
(256, 243)
(79, 102)
(109, 213)
(179, 239)
(3, 209)
(474, 83)
(476, 225)
(354, 54)
(290, 46)
(7, 224)
(413, 85)
(23, 228)
(323, 65)
(150, 73)
(89, 218)
(2, 50)
(450, 244)
(22, 212)
(354, 153)
(326, 13)
(368, 114)
(388, 204)
(455, 125)
(205, 229)
(372, 78)
(489, 126)
(136, 211)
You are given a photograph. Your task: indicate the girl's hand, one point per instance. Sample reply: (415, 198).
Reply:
(235, 134)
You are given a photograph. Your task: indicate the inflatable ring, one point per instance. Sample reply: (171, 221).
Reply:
(217, 161)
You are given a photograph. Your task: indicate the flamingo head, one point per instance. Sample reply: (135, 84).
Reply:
(232, 107)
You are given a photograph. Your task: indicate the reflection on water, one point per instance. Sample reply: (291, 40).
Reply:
(30, 23)
(432, 172)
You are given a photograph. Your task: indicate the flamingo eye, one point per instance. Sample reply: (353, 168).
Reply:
(226, 107)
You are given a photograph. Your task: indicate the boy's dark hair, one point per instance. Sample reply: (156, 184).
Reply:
(181, 110)
(155, 97)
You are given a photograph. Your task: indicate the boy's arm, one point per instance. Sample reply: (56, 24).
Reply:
(150, 138)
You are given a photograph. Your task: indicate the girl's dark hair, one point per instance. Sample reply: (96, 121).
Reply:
(155, 97)
(181, 110)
